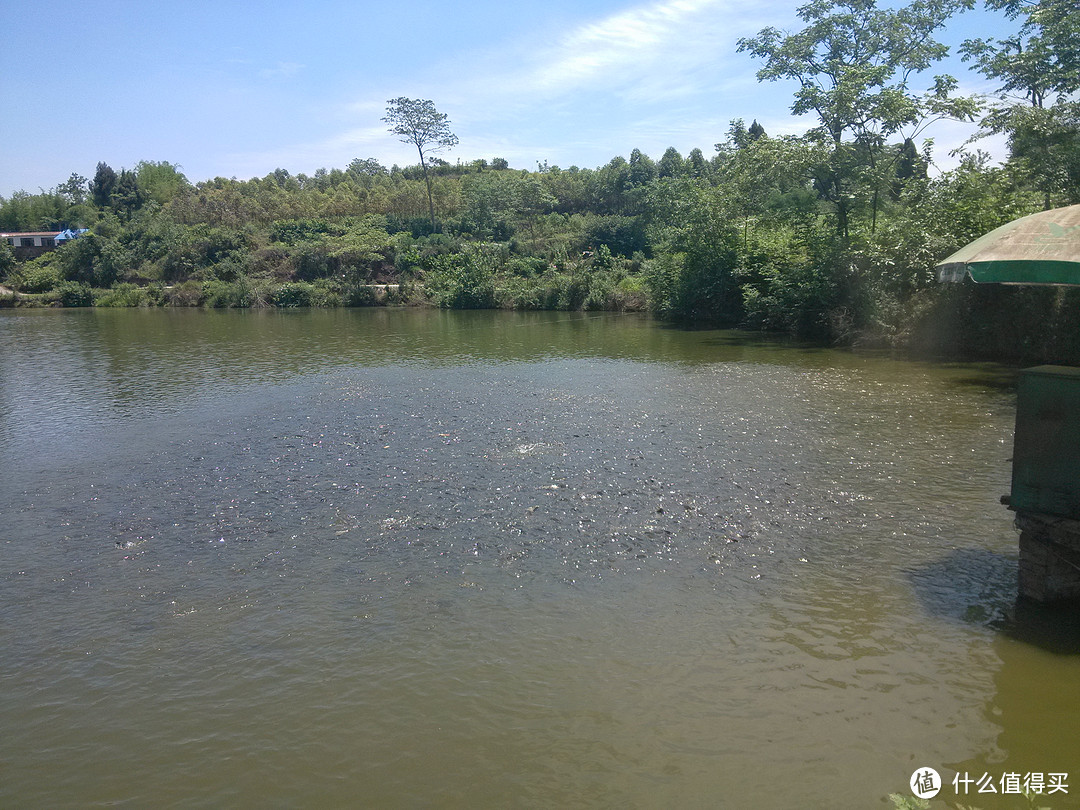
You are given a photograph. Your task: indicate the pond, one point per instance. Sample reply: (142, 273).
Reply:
(415, 558)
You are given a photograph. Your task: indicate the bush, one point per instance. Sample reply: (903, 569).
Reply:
(122, 295)
(35, 277)
(72, 294)
(360, 296)
(601, 293)
(326, 292)
(526, 266)
(462, 281)
(228, 294)
(622, 235)
(188, 294)
(293, 294)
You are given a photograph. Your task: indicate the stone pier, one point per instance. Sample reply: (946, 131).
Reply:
(1049, 557)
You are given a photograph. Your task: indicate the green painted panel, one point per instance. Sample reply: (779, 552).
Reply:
(1046, 449)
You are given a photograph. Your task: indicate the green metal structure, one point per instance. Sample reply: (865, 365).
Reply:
(1046, 445)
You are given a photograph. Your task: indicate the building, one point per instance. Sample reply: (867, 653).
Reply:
(31, 244)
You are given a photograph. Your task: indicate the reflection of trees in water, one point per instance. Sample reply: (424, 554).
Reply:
(1036, 703)
(1036, 699)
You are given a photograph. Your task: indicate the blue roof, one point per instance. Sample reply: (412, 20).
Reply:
(70, 234)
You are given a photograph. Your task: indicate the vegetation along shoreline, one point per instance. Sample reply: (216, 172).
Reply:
(831, 235)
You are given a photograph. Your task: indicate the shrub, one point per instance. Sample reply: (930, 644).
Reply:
(360, 296)
(526, 266)
(326, 292)
(72, 294)
(622, 235)
(188, 294)
(293, 294)
(35, 277)
(463, 280)
(155, 294)
(122, 295)
(228, 294)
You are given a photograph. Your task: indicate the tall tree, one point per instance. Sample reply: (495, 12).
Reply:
(671, 164)
(1038, 109)
(416, 121)
(74, 190)
(103, 185)
(127, 195)
(854, 64)
(159, 180)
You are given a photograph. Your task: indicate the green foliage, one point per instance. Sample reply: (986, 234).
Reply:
(811, 292)
(38, 276)
(103, 185)
(293, 294)
(229, 294)
(7, 259)
(360, 295)
(123, 295)
(416, 121)
(92, 260)
(1038, 77)
(620, 234)
(751, 238)
(49, 210)
(692, 276)
(187, 294)
(526, 266)
(560, 290)
(127, 197)
(159, 181)
(853, 63)
(464, 280)
(72, 294)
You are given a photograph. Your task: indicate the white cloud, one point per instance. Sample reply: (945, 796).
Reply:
(647, 53)
(281, 70)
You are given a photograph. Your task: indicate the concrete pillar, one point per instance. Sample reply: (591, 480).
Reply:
(1049, 557)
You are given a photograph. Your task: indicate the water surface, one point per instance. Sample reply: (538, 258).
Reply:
(418, 558)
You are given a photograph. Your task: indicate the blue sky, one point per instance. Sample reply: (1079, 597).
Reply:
(239, 89)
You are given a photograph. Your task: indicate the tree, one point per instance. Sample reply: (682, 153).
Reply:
(854, 64)
(74, 190)
(127, 195)
(7, 260)
(367, 167)
(1039, 75)
(159, 181)
(1042, 60)
(416, 121)
(642, 168)
(102, 186)
(671, 164)
(695, 163)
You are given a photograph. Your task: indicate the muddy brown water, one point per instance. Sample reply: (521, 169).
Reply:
(401, 558)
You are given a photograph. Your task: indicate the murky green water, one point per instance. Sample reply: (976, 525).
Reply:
(428, 559)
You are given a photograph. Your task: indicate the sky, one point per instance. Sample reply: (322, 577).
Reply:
(239, 89)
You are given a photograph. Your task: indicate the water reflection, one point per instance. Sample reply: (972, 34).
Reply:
(489, 559)
(1031, 648)
(1035, 710)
